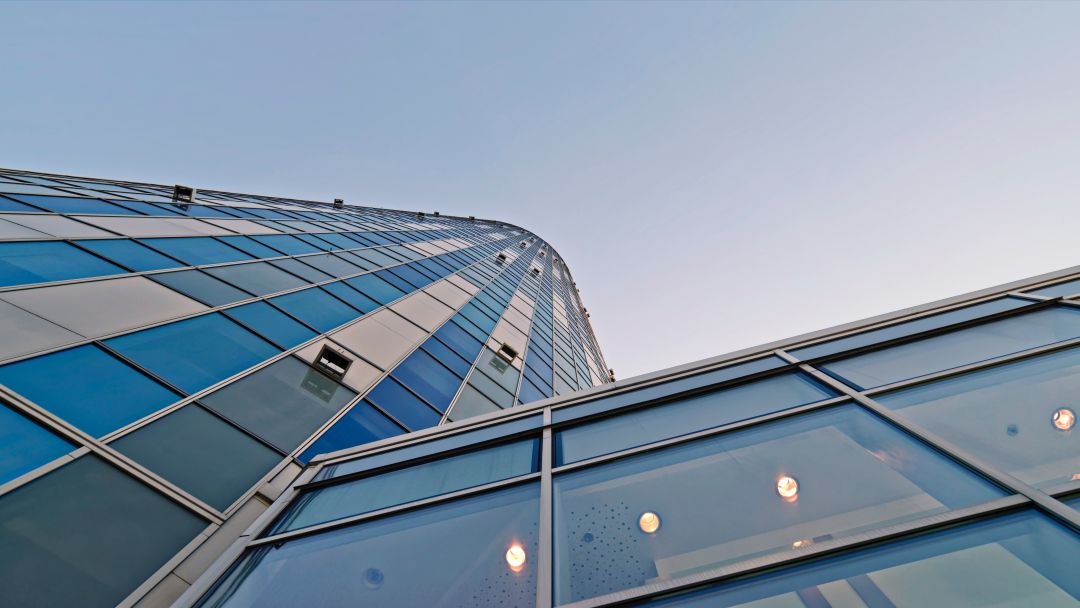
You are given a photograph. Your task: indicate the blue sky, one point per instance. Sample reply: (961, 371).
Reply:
(717, 175)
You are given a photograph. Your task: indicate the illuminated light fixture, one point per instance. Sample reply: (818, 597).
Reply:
(1076, 477)
(801, 543)
(649, 522)
(515, 557)
(788, 488)
(1063, 419)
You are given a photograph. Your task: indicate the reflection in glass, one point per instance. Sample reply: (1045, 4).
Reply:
(1021, 560)
(1016, 416)
(719, 498)
(454, 554)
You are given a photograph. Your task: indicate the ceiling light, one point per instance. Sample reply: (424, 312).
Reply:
(649, 522)
(515, 557)
(788, 488)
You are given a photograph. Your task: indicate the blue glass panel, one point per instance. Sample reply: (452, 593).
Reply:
(1018, 417)
(302, 270)
(271, 323)
(908, 328)
(388, 562)
(286, 244)
(332, 264)
(362, 424)
(259, 278)
(24, 445)
(71, 204)
(196, 250)
(87, 387)
(1023, 559)
(6, 204)
(1069, 288)
(460, 340)
(130, 254)
(250, 246)
(38, 262)
(376, 288)
(316, 308)
(396, 281)
(201, 286)
(826, 474)
(688, 415)
(354, 298)
(529, 393)
(447, 356)
(428, 378)
(195, 353)
(412, 276)
(341, 241)
(416, 482)
(403, 405)
(206, 211)
(314, 241)
(961, 347)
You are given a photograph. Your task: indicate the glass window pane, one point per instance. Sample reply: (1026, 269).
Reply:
(130, 254)
(352, 297)
(428, 378)
(302, 270)
(316, 308)
(407, 408)
(250, 246)
(411, 483)
(271, 323)
(826, 474)
(283, 403)
(38, 262)
(1069, 288)
(86, 535)
(908, 328)
(88, 387)
(1024, 559)
(194, 353)
(287, 244)
(332, 264)
(448, 357)
(7, 204)
(196, 250)
(376, 288)
(258, 278)
(469, 403)
(447, 555)
(201, 286)
(25, 446)
(460, 340)
(362, 424)
(688, 415)
(200, 453)
(957, 348)
(1019, 417)
(71, 204)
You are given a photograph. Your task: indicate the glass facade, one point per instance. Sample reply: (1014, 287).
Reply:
(286, 404)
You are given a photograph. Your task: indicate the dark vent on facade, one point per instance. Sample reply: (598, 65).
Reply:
(507, 353)
(332, 363)
(182, 196)
(339, 203)
(500, 258)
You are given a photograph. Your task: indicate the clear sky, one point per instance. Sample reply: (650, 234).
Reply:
(716, 175)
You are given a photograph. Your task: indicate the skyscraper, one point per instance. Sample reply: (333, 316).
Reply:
(171, 359)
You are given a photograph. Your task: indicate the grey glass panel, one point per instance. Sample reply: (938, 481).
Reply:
(332, 264)
(1069, 288)
(302, 270)
(201, 453)
(745, 494)
(1019, 417)
(957, 348)
(469, 403)
(86, 535)
(1018, 560)
(22, 333)
(24, 445)
(908, 328)
(283, 403)
(201, 286)
(688, 415)
(448, 555)
(411, 483)
(259, 278)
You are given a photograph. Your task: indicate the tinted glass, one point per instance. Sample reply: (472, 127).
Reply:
(407, 408)
(420, 481)
(390, 562)
(352, 297)
(302, 270)
(428, 378)
(1019, 417)
(195, 353)
(130, 254)
(362, 424)
(38, 262)
(7, 204)
(376, 288)
(1017, 560)
(71, 204)
(87, 387)
(197, 250)
(286, 244)
(86, 535)
(201, 286)
(250, 246)
(1069, 288)
(688, 415)
(960, 347)
(821, 475)
(271, 323)
(317, 308)
(283, 403)
(24, 445)
(258, 278)
(200, 453)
